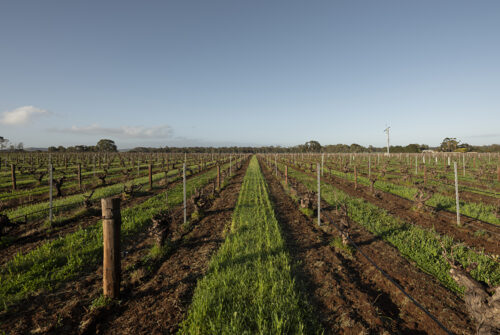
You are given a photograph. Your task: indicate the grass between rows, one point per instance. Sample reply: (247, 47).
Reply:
(415, 243)
(442, 186)
(480, 211)
(249, 288)
(113, 172)
(27, 179)
(76, 200)
(68, 257)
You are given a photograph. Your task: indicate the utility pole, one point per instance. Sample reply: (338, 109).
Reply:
(387, 131)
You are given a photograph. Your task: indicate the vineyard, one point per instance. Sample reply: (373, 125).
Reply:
(241, 244)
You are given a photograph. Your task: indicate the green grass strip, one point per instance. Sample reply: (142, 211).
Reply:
(76, 200)
(480, 211)
(415, 243)
(249, 288)
(113, 173)
(80, 252)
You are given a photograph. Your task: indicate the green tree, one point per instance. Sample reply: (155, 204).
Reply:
(106, 146)
(356, 148)
(3, 143)
(312, 146)
(449, 144)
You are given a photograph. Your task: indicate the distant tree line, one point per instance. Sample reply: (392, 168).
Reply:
(449, 144)
(315, 146)
(103, 145)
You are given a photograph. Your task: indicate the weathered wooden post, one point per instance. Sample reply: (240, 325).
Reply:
(463, 162)
(79, 173)
(369, 167)
(498, 173)
(184, 190)
(150, 170)
(355, 178)
(456, 193)
(319, 194)
(322, 163)
(218, 177)
(13, 175)
(286, 174)
(51, 180)
(230, 163)
(425, 174)
(275, 167)
(111, 226)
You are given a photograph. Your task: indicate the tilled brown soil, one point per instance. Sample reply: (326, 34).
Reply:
(160, 304)
(350, 294)
(31, 235)
(481, 184)
(443, 222)
(464, 194)
(66, 310)
(67, 191)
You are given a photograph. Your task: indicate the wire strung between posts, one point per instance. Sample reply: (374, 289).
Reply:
(73, 205)
(415, 302)
(461, 214)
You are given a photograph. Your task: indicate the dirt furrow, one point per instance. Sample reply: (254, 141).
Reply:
(464, 194)
(160, 304)
(340, 281)
(473, 233)
(29, 236)
(67, 308)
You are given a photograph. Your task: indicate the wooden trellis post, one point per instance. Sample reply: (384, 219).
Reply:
(355, 178)
(456, 193)
(322, 163)
(51, 180)
(463, 162)
(79, 172)
(111, 226)
(275, 167)
(13, 175)
(218, 177)
(150, 170)
(286, 174)
(184, 190)
(319, 194)
(369, 167)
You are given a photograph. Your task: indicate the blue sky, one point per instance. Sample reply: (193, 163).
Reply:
(157, 73)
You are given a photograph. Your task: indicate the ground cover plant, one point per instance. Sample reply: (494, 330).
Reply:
(420, 245)
(69, 256)
(249, 287)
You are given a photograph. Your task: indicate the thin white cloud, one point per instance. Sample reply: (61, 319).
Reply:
(163, 131)
(22, 115)
(483, 135)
